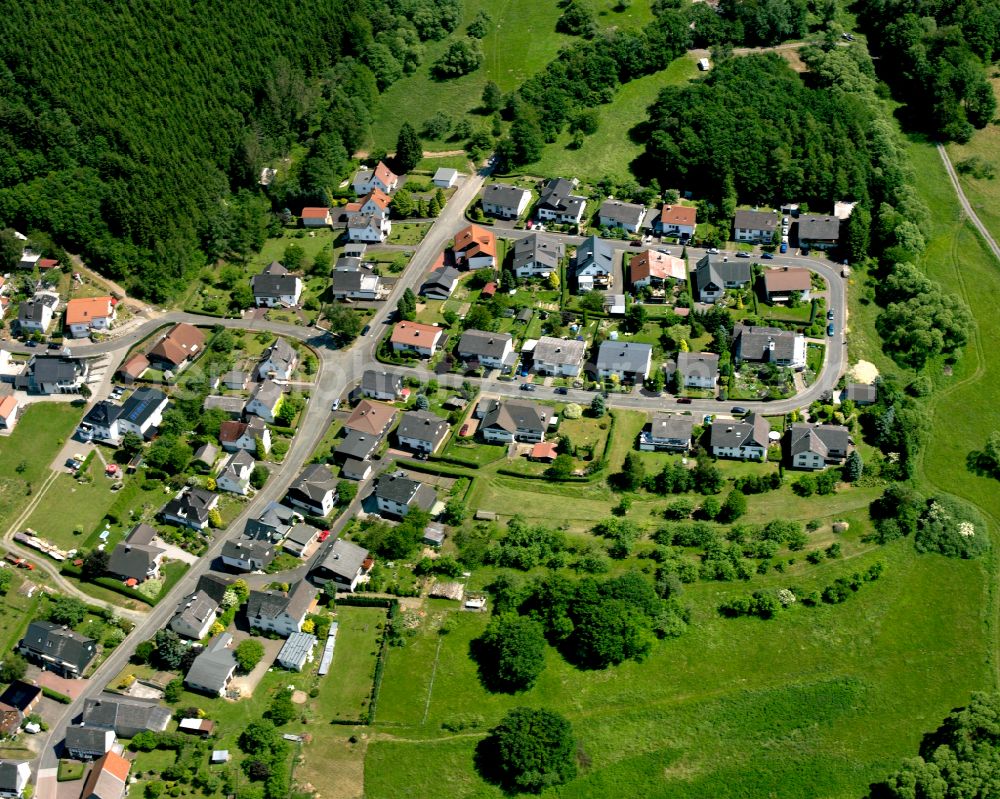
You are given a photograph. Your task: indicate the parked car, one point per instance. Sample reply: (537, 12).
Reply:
(739, 410)
(784, 247)
(336, 405)
(766, 256)
(366, 330)
(531, 386)
(713, 250)
(829, 314)
(561, 390)
(742, 255)
(324, 535)
(830, 329)
(683, 400)
(54, 346)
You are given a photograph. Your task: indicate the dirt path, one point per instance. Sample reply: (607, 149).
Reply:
(427, 153)
(110, 285)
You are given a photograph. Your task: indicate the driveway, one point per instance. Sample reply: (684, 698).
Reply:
(46, 679)
(248, 682)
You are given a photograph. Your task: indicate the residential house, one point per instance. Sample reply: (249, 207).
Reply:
(746, 439)
(297, 651)
(627, 360)
(445, 178)
(14, 778)
(35, 315)
(215, 585)
(557, 202)
(10, 724)
(537, 255)
(265, 401)
(559, 356)
(697, 370)
(142, 412)
(755, 226)
(356, 469)
(278, 361)
(618, 214)
(614, 304)
(351, 280)
(434, 534)
(281, 612)
(505, 201)
(88, 743)
(108, 778)
(314, 490)
(212, 670)
(381, 177)
(316, 217)
(491, 350)
(814, 446)
(58, 649)
(247, 554)
(381, 385)
(514, 420)
(29, 259)
(9, 408)
(345, 563)
(181, 345)
(276, 287)
(234, 476)
(818, 232)
(397, 494)
(127, 717)
(422, 431)
(594, 264)
(368, 228)
(232, 405)
(716, 273)
(375, 202)
(190, 508)
(440, 283)
(371, 418)
(475, 248)
(676, 220)
(779, 284)
(769, 345)
(134, 368)
(654, 268)
(21, 696)
(861, 393)
(236, 380)
(422, 340)
(100, 423)
(273, 524)
(84, 315)
(244, 435)
(299, 539)
(142, 534)
(667, 432)
(195, 616)
(135, 563)
(52, 374)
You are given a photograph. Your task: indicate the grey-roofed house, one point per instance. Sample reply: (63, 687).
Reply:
(35, 315)
(275, 287)
(356, 445)
(58, 374)
(397, 494)
(273, 523)
(593, 264)
(236, 380)
(234, 476)
(297, 651)
(514, 420)
(559, 356)
(101, 423)
(746, 439)
(351, 280)
(127, 717)
(314, 490)
(861, 393)
(230, 404)
(190, 508)
(206, 454)
(629, 360)
(14, 777)
(142, 412)
(505, 201)
(754, 226)
(440, 283)
(88, 743)
(354, 469)
(434, 534)
(769, 345)
(667, 432)
(716, 273)
(819, 232)
(537, 255)
(248, 554)
(57, 649)
(697, 369)
(445, 178)
(279, 611)
(422, 431)
(559, 204)
(345, 563)
(381, 385)
(278, 361)
(135, 563)
(195, 616)
(619, 214)
(814, 446)
(492, 350)
(265, 401)
(369, 227)
(213, 668)
(142, 534)
(299, 539)
(215, 585)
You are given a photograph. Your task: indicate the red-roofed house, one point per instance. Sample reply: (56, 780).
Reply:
(381, 177)
(375, 202)
(132, 369)
(86, 314)
(9, 407)
(108, 778)
(316, 217)
(476, 247)
(544, 451)
(654, 268)
(47, 263)
(676, 220)
(417, 338)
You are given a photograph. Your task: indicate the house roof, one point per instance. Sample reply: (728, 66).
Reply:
(482, 343)
(135, 365)
(141, 405)
(625, 356)
(230, 431)
(181, 343)
(213, 665)
(101, 414)
(13, 775)
(624, 213)
(297, 648)
(34, 309)
(85, 309)
(364, 222)
(504, 195)
(818, 228)
(343, 281)
(230, 403)
(559, 350)
(192, 504)
(377, 196)
(595, 253)
(20, 695)
(678, 215)
(315, 213)
(274, 281)
(444, 173)
(313, 484)
(656, 264)
(788, 278)
(763, 343)
(862, 392)
(58, 369)
(386, 175)
(371, 417)
(703, 364)
(415, 334)
(544, 450)
(215, 585)
(237, 464)
(475, 241)
(755, 220)
(302, 534)
(196, 609)
(750, 431)
(280, 353)
(557, 195)
(357, 445)
(267, 394)
(441, 281)
(719, 270)
(107, 778)
(81, 738)
(422, 426)
(133, 560)
(819, 438)
(344, 559)
(247, 549)
(122, 714)
(665, 425)
(142, 534)
(381, 382)
(273, 604)
(538, 248)
(401, 489)
(61, 643)
(235, 377)
(514, 415)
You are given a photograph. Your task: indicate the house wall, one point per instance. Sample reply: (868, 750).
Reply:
(390, 506)
(181, 627)
(317, 510)
(317, 222)
(699, 381)
(743, 453)
(808, 460)
(283, 625)
(418, 444)
(562, 369)
(423, 352)
(261, 410)
(749, 234)
(125, 426)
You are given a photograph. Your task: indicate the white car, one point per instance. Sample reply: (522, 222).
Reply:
(713, 250)
(336, 405)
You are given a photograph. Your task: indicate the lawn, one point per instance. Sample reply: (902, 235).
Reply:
(344, 692)
(16, 611)
(408, 232)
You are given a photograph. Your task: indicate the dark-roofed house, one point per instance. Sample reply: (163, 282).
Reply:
(619, 214)
(819, 232)
(558, 356)
(142, 412)
(351, 280)
(354, 469)
(297, 651)
(422, 431)
(278, 361)
(248, 554)
(716, 273)
(514, 420)
(356, 446)
(504, 201)
(492, 350)
(57, 649)
(281, 612)
(142, 534)
(265, 401)
(21, 696)
(397, 494)
(345, 563)
(230, 404)
(537, 255)
(14, 777)
(275, 286)
(381, 385)
(88, 743)
(195, 616)
(440, 283)
(213, 668)
(372, 418)
(861, 393)
(813, 446)
(127, 717)
(108, 779)
(135, 563)
(35, 315)
(593, 264)
(754, 226)
(314, 490)
(235, 435)
(745, 438)
(273, 523)
(58, 374)
(667, 432)
(190, 508)
(629, 360)
(299, 539)
(100, 423)
(697, 369)
(769, 345)
(558, 203)
(178, 347)
(780, 283)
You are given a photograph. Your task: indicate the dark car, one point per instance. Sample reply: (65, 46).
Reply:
(766, 256)
(684, 400)
(561, 390)
(739, 410)
(54, 346)
(829, 329)
(30, 343)
(784, 247)
(527, 386)
(365, 330)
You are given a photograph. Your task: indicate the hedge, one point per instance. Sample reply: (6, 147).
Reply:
(58, 697)
(357, 601)
(428, 467)
(380, 662)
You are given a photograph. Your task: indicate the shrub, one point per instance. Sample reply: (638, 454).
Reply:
(953, 528)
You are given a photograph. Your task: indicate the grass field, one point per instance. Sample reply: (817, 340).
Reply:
(344, 691)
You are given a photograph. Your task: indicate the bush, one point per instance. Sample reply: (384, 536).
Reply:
(529, 750)
(953, 528)
(248, 654)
